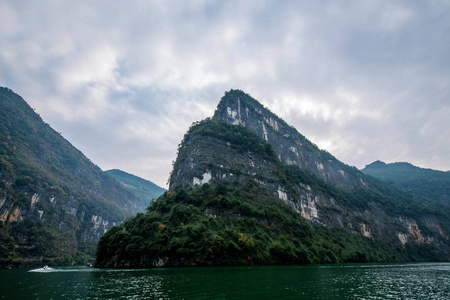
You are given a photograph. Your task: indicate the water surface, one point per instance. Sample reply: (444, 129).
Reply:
(349, 281)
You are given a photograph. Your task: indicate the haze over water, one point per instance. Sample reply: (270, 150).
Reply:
(349, 281)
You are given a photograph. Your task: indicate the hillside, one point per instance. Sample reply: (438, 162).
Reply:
(418, 181)
(145, 190)
(247, 188)
(54, 202)
(227, 225)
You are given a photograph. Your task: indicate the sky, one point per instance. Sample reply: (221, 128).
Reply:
(124, 80)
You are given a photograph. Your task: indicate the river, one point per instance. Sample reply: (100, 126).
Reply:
(347, 281)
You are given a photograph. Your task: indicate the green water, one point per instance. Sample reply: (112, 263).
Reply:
(352, 281)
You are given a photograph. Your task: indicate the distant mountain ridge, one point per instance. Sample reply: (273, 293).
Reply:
(54, 202)
(142, 188)
(419, 181)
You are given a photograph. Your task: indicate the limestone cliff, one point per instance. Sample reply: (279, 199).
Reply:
(292, 148)
(325, 191)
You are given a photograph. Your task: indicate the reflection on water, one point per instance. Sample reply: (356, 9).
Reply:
(357, 281)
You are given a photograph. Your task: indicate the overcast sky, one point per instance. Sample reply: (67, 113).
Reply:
(124, 80)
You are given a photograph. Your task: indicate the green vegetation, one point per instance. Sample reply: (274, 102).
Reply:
(8, 248)
(226, 225)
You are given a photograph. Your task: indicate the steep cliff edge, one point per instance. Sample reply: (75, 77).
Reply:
(246, 184)
(291, 147)
(54, 202)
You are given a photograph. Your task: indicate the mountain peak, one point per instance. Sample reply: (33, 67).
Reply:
(376, 164)
(234, 107)
(291, 147)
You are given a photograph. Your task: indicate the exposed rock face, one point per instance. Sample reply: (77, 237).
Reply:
(228, 164)
(204, 158)
(65, 212)
(292, 148)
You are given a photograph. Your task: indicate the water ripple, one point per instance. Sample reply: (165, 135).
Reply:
(350, 281)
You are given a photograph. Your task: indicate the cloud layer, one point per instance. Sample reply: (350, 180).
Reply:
(123, 80)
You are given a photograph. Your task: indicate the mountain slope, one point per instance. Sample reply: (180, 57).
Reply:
(141, 188)
(418, 181)
(246, 184)
(54, 202)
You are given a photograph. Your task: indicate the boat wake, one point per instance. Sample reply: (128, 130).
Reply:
(47, 269)
(44, 270)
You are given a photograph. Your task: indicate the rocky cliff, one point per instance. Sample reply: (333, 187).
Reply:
(54, 202)
(325, 191)
(246, 188)
(292, 148)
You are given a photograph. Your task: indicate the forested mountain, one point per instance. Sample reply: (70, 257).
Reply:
(247, 188)
(418, 181)
(145, 190)
(54, 202)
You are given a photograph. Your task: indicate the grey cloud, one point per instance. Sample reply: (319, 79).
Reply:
(123, 81)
